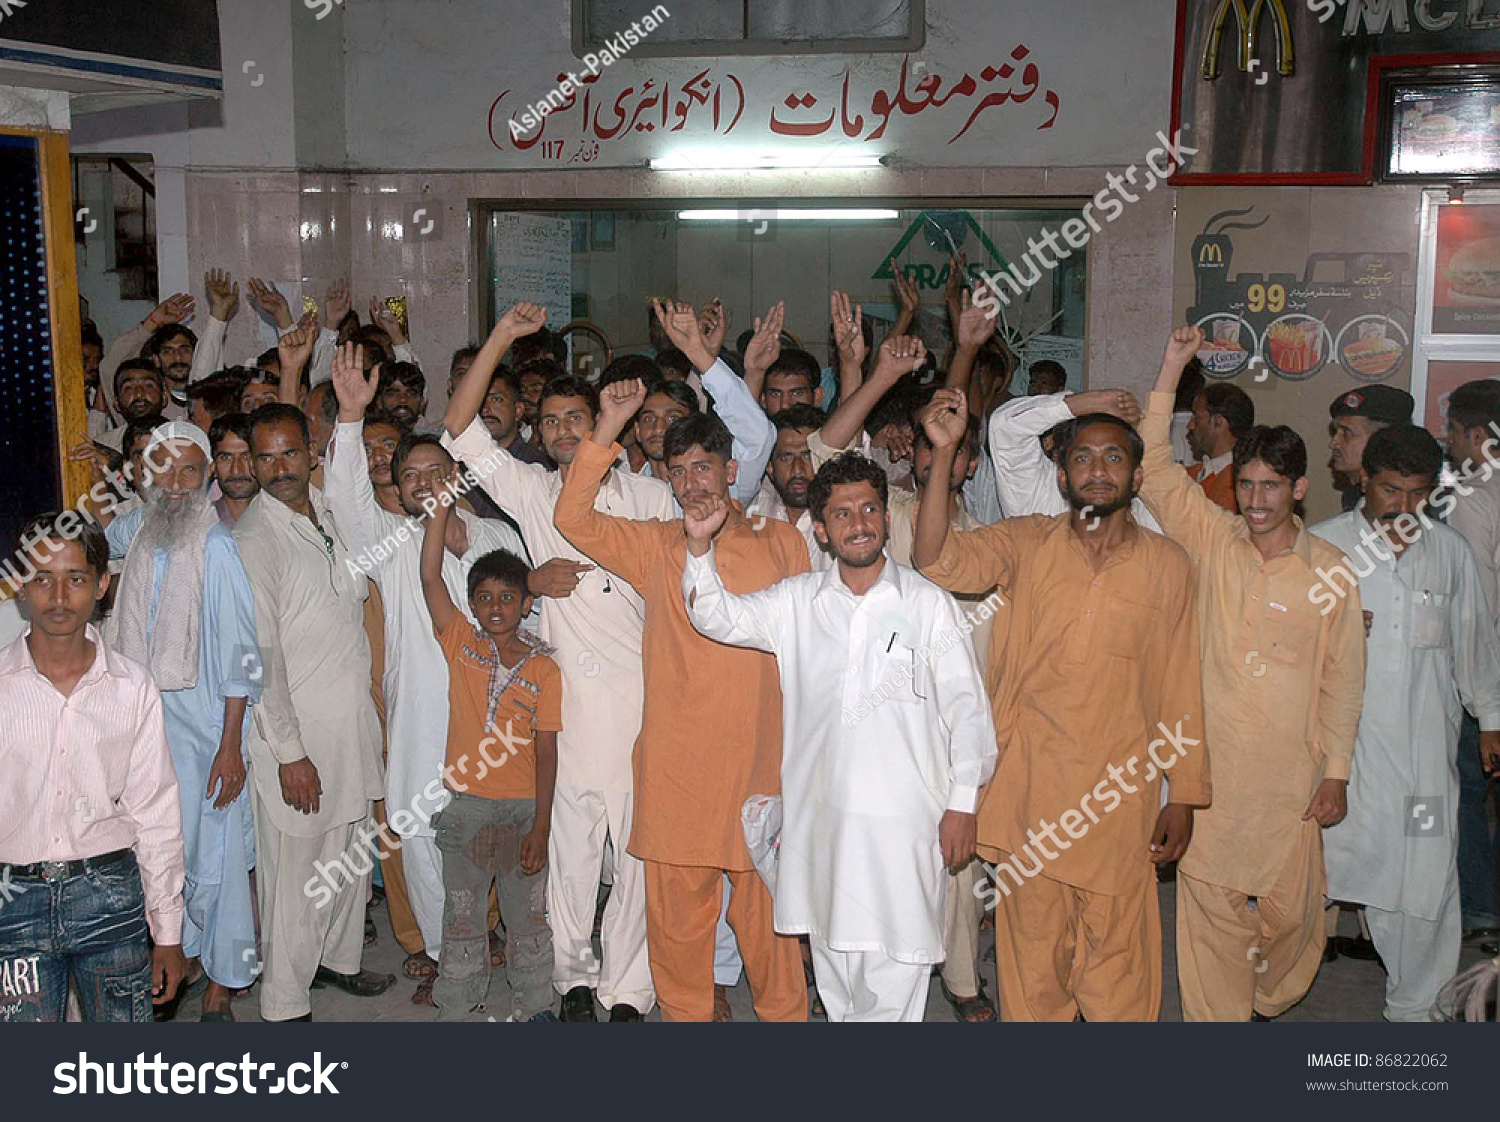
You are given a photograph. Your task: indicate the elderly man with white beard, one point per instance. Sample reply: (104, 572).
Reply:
(184, 611)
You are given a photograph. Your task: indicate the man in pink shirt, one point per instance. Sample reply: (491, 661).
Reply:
(90, 827)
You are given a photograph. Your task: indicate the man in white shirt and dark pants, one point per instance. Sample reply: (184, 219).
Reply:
(1431, 646)
(888, 741)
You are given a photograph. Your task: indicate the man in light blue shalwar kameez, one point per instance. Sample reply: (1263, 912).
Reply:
(182, 563)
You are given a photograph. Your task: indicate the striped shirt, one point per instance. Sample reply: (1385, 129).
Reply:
(90, 773)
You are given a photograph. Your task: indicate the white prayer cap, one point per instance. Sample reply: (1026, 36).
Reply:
(179, 430)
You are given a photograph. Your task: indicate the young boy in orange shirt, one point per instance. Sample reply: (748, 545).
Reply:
(504, 714)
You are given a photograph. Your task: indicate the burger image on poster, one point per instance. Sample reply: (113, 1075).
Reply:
(1474, 273)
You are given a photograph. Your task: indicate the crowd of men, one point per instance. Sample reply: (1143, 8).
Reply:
(726, 660)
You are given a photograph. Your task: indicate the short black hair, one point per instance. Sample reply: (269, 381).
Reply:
(142, 366)
(896, 406)
(1276, 445)
(370, 336)
(85, 531)
(1476, 404)
(1189, 386)
(138, 428)
(796, 362)
(680, 392)
(275, 412)
(165, 334)
(1067, 435)
(374, 415)
(799, 416)
(501, 565)
(328, 404)
(469, 354)
(1048, 366)
(543, 343)
(545, 365)
(507, 378)
(569, 385)
(408, 374)
(408, 443)
(703, 430)
(676, 361)
(219, 395)
(627, 367)
(266, 357)
(848, 467)
(1405, 449)
(1231, 403)
(88, 333)
(230, 424)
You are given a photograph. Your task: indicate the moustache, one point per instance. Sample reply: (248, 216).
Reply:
(283, 479)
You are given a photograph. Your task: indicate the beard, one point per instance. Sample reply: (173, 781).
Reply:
(167, 522)
(793, 493)
(1079, 501)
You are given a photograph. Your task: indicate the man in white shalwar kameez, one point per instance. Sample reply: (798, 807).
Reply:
(1431, 646)
(888, 741)
(387, 548)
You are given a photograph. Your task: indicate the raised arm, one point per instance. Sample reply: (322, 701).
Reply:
(174, 309)
(1185, 511)
(898, 355)
(223, 298)
(619, 544)
(966, 561)
(754, 435)
(740, 621)
(764, 347)
(346, 475)
(849, 341)
(440, 605)
(907, 296)
(293, 350)
(468, 396)
(971, 331)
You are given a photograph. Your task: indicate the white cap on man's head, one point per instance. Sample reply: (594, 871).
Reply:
(179, 430)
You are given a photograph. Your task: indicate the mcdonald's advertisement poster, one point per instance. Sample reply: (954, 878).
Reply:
(1289, 284)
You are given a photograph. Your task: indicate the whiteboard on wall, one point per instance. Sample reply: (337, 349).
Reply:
(533, 260)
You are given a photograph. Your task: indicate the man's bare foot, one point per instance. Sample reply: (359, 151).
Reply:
(216, 998)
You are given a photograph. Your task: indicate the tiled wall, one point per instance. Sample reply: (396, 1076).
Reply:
(312, 227)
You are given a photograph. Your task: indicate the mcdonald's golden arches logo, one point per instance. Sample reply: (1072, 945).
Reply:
(1247, 24)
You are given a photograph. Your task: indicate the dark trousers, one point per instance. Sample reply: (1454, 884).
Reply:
(1478, 847)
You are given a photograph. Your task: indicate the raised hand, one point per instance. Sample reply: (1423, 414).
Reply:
(385, 319)
(520, 320)
(680, 322)
(87, 452)
(174, 309)
(945, 420)
(223, 294)
(265, 297)
(1183, 344)
(702, 518)
(336, 304)
(898, 355)
(906, 291)
(618, 402)
(713, 323)
(848, 329)
(351, 385)
(764, 347)
(975, 326)
(295, 347)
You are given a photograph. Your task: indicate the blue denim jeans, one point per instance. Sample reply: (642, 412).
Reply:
(1478, 850)
(90, 928)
